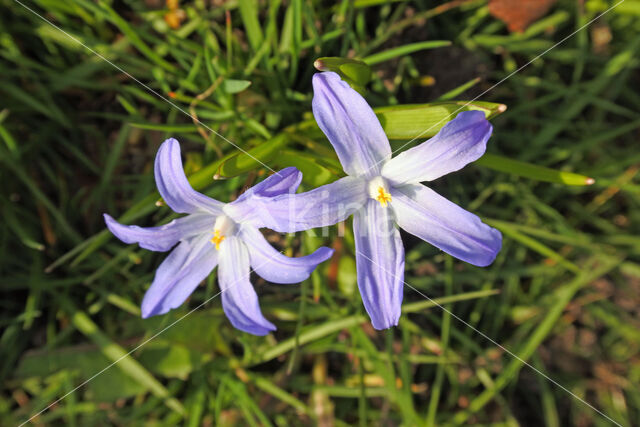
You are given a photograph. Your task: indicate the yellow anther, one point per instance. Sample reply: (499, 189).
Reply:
(383, 197)
(217, 239)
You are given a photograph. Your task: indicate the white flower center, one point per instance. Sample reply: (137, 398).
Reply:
(223, 227)
(378, 191)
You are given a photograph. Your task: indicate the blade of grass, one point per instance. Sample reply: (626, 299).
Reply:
(531, 171)
(436, 389)
(309, 334)
(404, 50)
(249, 14)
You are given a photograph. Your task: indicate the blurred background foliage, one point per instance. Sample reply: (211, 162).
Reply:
(78, 137)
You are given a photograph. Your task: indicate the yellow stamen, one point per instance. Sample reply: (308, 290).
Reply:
(383, 197)
(217, 239)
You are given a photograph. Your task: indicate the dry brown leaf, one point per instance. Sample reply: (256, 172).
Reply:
(519, 14)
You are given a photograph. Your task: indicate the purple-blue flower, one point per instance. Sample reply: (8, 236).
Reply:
(211, 235)
(383, 193)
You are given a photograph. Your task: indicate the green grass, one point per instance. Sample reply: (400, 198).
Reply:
(78, 137)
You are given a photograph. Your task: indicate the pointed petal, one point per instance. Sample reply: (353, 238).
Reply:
(461, 141)
(173, 185)
(247, 205)
(179, 275)
(429, 216)
(239, 299)
(164, 237)
(285, 181)
(287, 213)
(350, 124)
(275, 267)
(379, 263)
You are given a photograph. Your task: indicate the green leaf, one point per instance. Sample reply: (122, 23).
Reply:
(358, 4)
(173, 128)
(353, 71)
(414, 121)
(454, 93)
(419, 306)
(234, 86)
(406, 49)
(172, 361)
(240, 163)
(309, 334)
(528, 170)
(360, 74)
(200, 331)
(313, 174)
(249, 14)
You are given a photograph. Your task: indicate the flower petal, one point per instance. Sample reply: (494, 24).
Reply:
(275, 267)
(350, 124)
(247, 205)
(164, 237)
(173, 185)
(285, 181)
(461, 141)
(288, 213)
(179, 275)
(379, 263)
(424, 213)
(239, 299)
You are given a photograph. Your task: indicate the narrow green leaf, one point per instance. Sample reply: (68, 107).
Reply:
(175, 128)
(249, 14)
(240, 163)
(454, 93)
(311, 333)
(415, 307)
(406, 49)
(358, 4)
(528, 170)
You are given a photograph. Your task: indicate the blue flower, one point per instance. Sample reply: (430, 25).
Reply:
(383, 193)
(209, 236)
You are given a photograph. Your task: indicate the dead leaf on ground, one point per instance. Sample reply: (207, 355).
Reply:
(518, 15)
